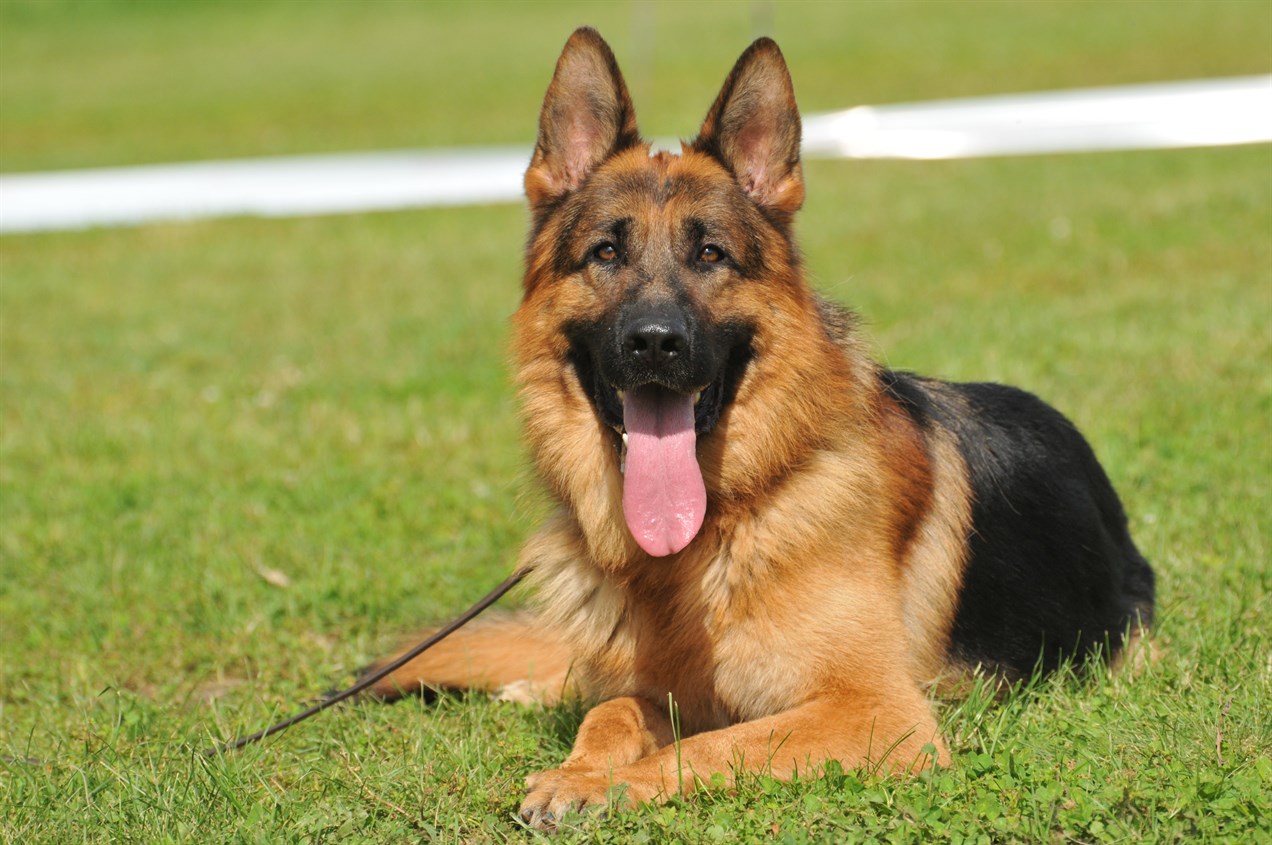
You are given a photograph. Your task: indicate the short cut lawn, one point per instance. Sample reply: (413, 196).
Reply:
(238, 458)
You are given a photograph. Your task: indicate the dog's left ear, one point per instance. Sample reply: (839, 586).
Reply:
(753, 129)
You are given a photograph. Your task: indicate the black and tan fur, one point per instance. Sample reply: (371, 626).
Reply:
(867, 532)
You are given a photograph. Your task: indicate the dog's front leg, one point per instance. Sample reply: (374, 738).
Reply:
(615, 733)
(857, 730)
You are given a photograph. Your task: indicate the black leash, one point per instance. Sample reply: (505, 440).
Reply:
(366, 681)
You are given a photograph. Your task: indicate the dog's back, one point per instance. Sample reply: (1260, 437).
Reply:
(1051, 571)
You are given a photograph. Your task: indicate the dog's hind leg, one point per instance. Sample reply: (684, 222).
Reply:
(512, 655)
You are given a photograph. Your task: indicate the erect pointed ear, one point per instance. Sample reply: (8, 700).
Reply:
(753, 130)
(587, 116)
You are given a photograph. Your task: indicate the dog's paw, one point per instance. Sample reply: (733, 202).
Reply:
(518, 692)
(558, 792)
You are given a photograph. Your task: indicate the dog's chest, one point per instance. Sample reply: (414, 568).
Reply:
(721, 664)
(754, 676)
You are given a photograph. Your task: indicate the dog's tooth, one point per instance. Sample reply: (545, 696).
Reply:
(624, 438)
(696, 397)
(621, 394)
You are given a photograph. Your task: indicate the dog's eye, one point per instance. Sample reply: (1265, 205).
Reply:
(605, 252)
(710, 254)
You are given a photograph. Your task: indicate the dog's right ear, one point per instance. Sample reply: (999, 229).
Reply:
(587, 116)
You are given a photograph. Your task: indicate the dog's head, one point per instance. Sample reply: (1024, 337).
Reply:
(655, 284)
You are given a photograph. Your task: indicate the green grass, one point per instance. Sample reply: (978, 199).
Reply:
(185, 409)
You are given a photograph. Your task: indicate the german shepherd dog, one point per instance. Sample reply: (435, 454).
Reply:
(767, 547)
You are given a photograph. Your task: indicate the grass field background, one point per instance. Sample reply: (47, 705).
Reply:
(238, 458)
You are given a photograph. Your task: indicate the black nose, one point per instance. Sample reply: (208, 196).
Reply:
(656, 341)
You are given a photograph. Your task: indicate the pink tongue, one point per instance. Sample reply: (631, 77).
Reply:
(664, 499)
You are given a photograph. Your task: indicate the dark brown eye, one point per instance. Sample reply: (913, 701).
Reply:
(605, 252)
(710, 254)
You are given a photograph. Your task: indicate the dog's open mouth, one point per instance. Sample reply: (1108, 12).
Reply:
(664, 498)
(656, 431)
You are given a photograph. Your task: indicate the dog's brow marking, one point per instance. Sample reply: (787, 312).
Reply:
(618, 228)
(635, 184)
(669, 188)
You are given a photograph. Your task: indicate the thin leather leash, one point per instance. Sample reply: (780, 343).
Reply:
(389, 668)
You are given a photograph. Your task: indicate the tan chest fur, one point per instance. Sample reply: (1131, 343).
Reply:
(727, 633)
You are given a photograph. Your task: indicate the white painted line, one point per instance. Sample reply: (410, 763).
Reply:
(1185, 114)
(1179, 114)
(269, 187)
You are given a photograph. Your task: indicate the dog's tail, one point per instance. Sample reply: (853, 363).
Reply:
(513, 655)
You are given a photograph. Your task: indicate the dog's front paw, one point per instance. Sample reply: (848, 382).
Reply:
(556, 792)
